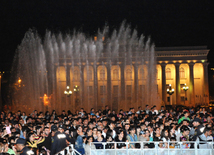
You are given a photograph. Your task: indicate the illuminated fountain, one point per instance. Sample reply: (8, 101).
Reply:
(118, 70)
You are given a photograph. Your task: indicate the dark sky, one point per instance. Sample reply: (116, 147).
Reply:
(168, 22)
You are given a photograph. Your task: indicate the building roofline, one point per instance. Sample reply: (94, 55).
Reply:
(180, 48)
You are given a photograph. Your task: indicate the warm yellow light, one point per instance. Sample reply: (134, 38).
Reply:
(180, 61)
(19, 80)
(188, 61)
(174, 61)
(45, 99)
(194, 61)
(95, 38)
(166, 62)
(203, 61)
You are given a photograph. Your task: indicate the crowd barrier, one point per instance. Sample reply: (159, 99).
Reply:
(205, 149)
(69, 150)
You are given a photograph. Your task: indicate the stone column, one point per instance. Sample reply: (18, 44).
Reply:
(178, 98)
(109, 99)
(122, 67)
(163, 68)
(68, 99)
(82, 86)
(95, 87)
(206, 84)
(136, 85)
(191, 87)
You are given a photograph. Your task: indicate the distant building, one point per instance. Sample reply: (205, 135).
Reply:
(124, 87)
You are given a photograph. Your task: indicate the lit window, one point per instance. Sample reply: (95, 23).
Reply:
(182, 72)
(90, 75)
(102, 74)
(168, 73)
(128, 74)
(115, 74)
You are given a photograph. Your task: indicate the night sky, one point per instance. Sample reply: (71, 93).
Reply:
(169, 23)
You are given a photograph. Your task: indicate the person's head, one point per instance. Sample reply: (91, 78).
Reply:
(79, 128)
(127, 126)
(89, 139)
(99, 133)
(111, 125)
(120, 134)
(20, 144)
(94, 131)
(165, 133)
(183, 138)
(89, 132)
(185, 130)
(46, 131)
(186, 114)
(61, 128)
(31, 137)
(196, 122)
(157, 131)
(85, 122)
(160, 144)
(147, 133)
(132, 130)
(208, 131)
(185, 122)
(109, 138)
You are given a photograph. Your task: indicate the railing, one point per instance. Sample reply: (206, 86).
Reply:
(69, 150)
(155, 148)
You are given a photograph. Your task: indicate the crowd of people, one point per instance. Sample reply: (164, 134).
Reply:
(49, 133)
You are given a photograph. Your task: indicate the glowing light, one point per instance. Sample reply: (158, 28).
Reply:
(45, 100)
(203, 61)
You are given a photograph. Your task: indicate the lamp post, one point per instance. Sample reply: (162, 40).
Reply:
(185, 88)
(76, 90)
(68, 92)
(170, 91)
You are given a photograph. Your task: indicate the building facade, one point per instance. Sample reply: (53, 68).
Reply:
(123, 86)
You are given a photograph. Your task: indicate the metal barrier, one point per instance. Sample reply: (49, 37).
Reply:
(69, 150)
(155, 148)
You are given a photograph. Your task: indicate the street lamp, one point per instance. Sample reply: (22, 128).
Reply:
(76, 90)
(185, 88)
(170, 91)
(68, 92)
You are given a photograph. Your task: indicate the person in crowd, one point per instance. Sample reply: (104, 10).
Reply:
(79, 141)
(120, 138)
(109, 141)
(74, 128)
(100, 139)
(22, 148)
(89, 145)
(132, 137)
